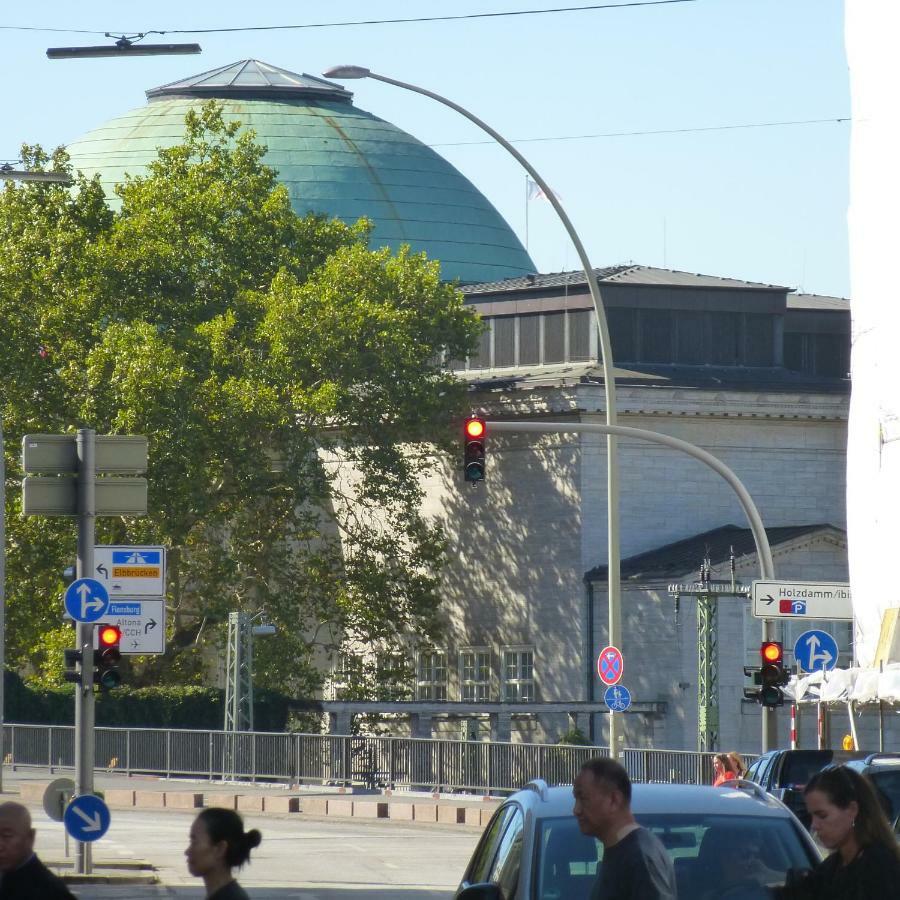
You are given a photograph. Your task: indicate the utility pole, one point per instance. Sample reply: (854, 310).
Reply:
(85, 445)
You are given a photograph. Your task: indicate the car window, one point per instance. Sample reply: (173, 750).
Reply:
(567, 861)
(486, 851)
(764, 763)
(888, 784)
(709, 853)
(505, 868)
(754, 769)
(800, 765)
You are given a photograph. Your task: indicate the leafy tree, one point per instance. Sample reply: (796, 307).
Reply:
(288, 379)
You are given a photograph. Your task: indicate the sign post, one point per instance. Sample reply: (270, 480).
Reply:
(78, 458)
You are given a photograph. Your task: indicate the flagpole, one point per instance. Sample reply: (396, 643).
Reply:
(526, 213)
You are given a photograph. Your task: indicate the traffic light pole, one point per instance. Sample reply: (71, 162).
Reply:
(760, 539)
(84, 635)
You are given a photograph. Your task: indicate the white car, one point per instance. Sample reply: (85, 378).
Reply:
(727, 843)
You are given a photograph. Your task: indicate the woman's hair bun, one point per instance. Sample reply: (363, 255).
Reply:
(252, 838)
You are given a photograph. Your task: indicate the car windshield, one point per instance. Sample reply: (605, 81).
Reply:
(801, 765)
(715, 856)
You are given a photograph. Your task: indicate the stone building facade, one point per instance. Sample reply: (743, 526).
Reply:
(751, 373)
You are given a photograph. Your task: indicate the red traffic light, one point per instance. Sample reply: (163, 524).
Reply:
(109, 635)
(772, 652)
(475, 428)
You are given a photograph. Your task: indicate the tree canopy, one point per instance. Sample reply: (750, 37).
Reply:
(289, 380)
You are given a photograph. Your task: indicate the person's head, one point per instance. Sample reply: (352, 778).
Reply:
(16, 836)
(721, 764)
(845, 810)
(602, 794)
(736, 761)
(218, 842)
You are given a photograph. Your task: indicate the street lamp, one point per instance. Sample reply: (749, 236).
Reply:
(609, 384)
(8, 173)
(124, 46)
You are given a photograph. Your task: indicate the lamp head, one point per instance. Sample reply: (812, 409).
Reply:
(347, 72)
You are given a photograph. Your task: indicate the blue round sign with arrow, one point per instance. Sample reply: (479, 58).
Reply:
(86, 600)
(87, 818)
(816, 651)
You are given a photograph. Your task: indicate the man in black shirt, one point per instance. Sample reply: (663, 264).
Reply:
(22, 875)
(635, 864)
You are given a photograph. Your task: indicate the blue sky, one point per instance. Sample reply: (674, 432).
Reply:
(765, 203)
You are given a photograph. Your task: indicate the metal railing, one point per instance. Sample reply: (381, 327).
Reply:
(414, 763)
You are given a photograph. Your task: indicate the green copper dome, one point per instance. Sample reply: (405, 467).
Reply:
(332, 157)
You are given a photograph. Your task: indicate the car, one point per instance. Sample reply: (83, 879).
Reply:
(883, 769)
(784, 774)
(726, 843)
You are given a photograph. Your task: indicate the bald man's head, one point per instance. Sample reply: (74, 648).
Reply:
(16, 836)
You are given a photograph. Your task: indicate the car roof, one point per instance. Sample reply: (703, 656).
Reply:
(876, 761)
(646, 799)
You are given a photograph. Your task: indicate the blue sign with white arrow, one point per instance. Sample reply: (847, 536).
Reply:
(86, 600)
(816, 651)
(87, 818)
(617, 698)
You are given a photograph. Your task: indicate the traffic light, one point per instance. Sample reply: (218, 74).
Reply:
(107, 656)
(474, 434)
(772, 674)
(73, 660)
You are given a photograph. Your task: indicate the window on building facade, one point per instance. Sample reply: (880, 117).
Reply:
(554, 337)
(431, 675)
(393, 674)
(529, 340)
(346, 675)
(579, 323)
(475, 675)
(518, 675)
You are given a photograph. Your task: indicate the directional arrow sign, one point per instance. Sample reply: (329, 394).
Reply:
(802, 600)
(87, 818)
(131, 571)
(86, 600)
(816, 650)
(142, 621)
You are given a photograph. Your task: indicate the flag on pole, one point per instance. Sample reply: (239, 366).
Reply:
(536, 192)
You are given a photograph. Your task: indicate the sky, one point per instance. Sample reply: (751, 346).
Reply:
(627, 113)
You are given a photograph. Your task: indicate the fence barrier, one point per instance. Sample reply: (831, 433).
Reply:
(396, 762)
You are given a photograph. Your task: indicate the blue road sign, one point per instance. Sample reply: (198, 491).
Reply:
(86, 818)
(815, 651)
(617, 698)
(86, 600)
(136, 557)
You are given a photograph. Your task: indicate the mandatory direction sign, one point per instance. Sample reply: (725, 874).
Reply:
(815, 651)
(87, 818)
(802, 600)
(617, 698)
(142, 621)
(86, 600)
(610, 665)
(131, 571)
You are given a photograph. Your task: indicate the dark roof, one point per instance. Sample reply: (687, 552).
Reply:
(682, 557)
(619, 274)
(251, 78)
(648, 375)
(817, 301)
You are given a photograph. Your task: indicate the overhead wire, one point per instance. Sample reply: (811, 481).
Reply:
(397, 21)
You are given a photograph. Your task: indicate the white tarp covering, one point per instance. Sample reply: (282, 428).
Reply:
(841, 685)
(873, 445)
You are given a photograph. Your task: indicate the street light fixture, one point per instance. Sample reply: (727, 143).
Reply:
(609, 384)
(8, 173)
(124, 46)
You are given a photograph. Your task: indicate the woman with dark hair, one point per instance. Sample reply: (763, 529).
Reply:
(848, 820)
(218, 844)
(722, 771)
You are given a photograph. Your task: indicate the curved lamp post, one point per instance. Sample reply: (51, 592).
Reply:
(609, 384)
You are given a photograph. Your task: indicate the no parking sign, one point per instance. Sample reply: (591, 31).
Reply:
(610, 665)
